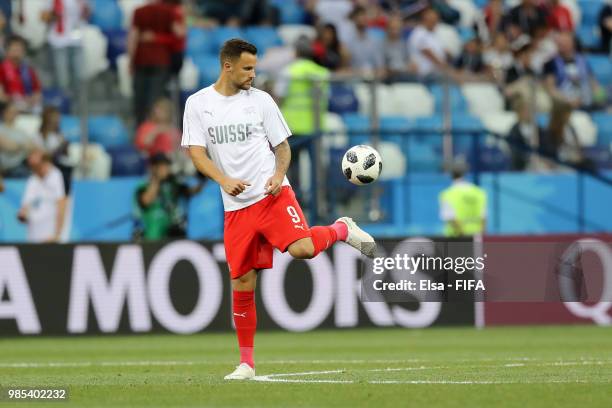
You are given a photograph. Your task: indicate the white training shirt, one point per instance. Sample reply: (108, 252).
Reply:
(238, 131)
(41, 197)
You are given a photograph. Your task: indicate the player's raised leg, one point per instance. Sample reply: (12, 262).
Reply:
(245, 320)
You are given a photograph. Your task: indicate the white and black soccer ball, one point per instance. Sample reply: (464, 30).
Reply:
(361, 165)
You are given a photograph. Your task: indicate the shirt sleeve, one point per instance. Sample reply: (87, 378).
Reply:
(193, 129)
(277, 129)
(26, 200)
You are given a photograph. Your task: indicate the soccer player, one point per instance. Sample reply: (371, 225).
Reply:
(237, 136)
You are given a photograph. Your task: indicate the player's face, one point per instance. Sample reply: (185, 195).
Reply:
(242, 71)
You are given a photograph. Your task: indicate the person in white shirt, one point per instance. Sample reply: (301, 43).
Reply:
(425, 48)
(43, 206)
(237, 136)
(66, 20)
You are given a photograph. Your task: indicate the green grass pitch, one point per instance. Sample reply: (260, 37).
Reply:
(522, 367)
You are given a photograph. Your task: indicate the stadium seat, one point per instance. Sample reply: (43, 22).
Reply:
(200, 42)
(97, 161)
(429, 128)
(291, 12)
(468, 10)
(94, 51)
(589, 36)
(468, 127)
(342, 99)
(490, 158)
(590, 11)
(392, 153)
(70, 126)
(222, 34)
(402, 101)
(263, 38)
(127, 9)
(108, 131)
(55, 97)
(117, 45)
(603, 123)
(483, 98)
(189, 77)
(602, 68)
(208, 67)
(106, 14)
(358, 125)
(586, 131)
(499, 122)
(337, 129)
(289, 33)
(600, 156)
(449, 37)
(458, 103)
(124, 76)
(383, 96)
(393, 128)
(31, 27)
(126, 161)
(30, 124)
(423, 157)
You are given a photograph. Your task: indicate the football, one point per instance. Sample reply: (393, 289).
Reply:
(361, 165)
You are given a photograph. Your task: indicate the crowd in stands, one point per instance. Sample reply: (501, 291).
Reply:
(541, 56)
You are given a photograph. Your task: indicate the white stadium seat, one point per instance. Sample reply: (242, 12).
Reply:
(334, 124)
(125, 78)
(95, 45)
(189, 76)
(32, 29)
(468, 11)
(97, 161)
(483, 98)
(499, 122)
(289, 33)
(586, 131)
(30, 124)
(128, 7)
(449, 37)
(411, 100)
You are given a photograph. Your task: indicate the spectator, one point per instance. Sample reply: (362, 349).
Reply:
(498, 57)
(176, 40)
(470, 65)
(524, 19)
(1, 184)
(3, 24)
(494, 16)
(150, 62)
(14, 144)
(236, 13)
(463, 206)
(524, 137)
(520, 68)
(397, 61)
(157, 134)
(55, 145)
(19, 81)
(560, 140)
(158, 202)
(66, 19)
(605, 26)
(559, 17)
(568, 76)
(43, 206)
(426, 49)
(366, 52)
(327, 49)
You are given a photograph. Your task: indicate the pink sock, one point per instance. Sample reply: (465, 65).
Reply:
(341, 230)
(246, 356)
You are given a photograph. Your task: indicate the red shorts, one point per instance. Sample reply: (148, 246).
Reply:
(252, 233)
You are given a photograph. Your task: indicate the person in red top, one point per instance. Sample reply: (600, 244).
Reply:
(157, 134)
(559, 17)
(19, 81)
(150, 62)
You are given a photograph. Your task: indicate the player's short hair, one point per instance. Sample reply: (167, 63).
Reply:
(233, 49)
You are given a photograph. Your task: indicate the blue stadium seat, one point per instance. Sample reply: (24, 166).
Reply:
(117, 45)
(603, 121)
(590, 12)
(200, 42)
(360, 124)
(589, 36)
(490, 158)
(396, 123)
(342, 99)
(126, 161)
(107, 15)
(291, 12)
(458, 103)
(431, 126)
(209, 68)
(70, 127)
(263, 38)
(600, 156)
(602, 68)
(109, 131)
(423, 157)
(55, 97)
(466, 122)
(222, 34)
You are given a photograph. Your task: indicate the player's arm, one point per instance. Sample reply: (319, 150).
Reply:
(282, 152)
(201, 161)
